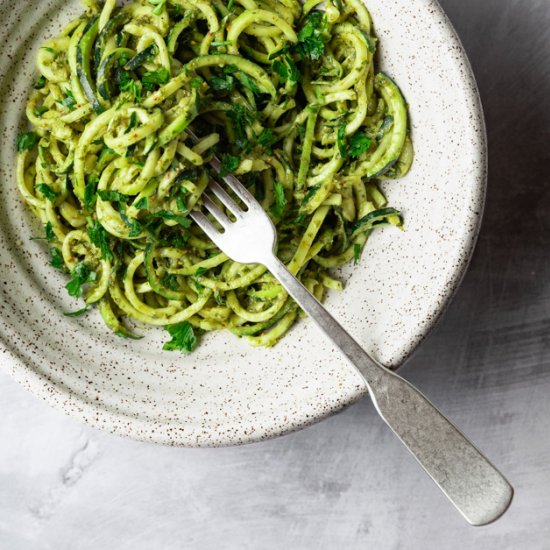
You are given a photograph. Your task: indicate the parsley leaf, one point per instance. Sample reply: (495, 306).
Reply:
(359, 144)
(57, 258)
(46, 191)
(80, 276)
(280, 200)
(311, 42)
(99, 238)
(90, 192)
(39, 111)
(219, 84)
(113, 196)
(151, 79)
(128, 84)
(198, 287)
(181, 203)
(168, 215)
(266, 139)
(133, 224)
(170, 281)
(280, 68)
(196, 82)
(287, 70)
(183, 338)
(40, 83)
(229, 164)
(27, 141)
(241, 117)
(50, 235)
(141, 204)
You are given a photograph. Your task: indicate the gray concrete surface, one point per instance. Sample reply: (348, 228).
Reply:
(346, 483)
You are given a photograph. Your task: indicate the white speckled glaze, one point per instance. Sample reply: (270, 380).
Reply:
(226, 392)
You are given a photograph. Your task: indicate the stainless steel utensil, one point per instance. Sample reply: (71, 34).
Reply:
(476, 488)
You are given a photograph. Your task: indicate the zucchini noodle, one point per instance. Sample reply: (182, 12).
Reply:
(286, 94)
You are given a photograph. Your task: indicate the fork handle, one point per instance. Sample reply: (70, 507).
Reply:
(475, 487)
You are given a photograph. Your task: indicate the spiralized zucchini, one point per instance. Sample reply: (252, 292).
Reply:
(286, 94)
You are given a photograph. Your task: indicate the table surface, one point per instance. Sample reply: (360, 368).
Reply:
(346, 482)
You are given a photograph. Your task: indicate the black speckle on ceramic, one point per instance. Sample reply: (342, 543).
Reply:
(228, 393)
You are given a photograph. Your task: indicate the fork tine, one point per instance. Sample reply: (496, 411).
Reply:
(206, 225)
(212, 207)
(226, 200)
(241, 191)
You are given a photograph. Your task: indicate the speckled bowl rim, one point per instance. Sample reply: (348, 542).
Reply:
(96, 416)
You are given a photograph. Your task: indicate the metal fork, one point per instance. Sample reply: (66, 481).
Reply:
(476, 488)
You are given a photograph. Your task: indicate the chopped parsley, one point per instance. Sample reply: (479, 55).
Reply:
(99, 238)
(50, 235)
(229, 164)
(200, 271)
(181, 203)
(56, 258)
(170, 281)
(141, 204)
(171, 216)
(27, 141)
(134, 226)
(311, 40)
(39, 111)
(152, 79)
(183, 338)
(359, 144)
(222, 84)
(80, 276)
(129, 85)
(90, 192)
(46, 191)
(241, 117)
(266, 139)
(113, 196)
(40, 83)
(286, 69)
(196, 82)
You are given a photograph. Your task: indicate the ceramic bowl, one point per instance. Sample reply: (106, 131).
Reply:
(227, 392)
